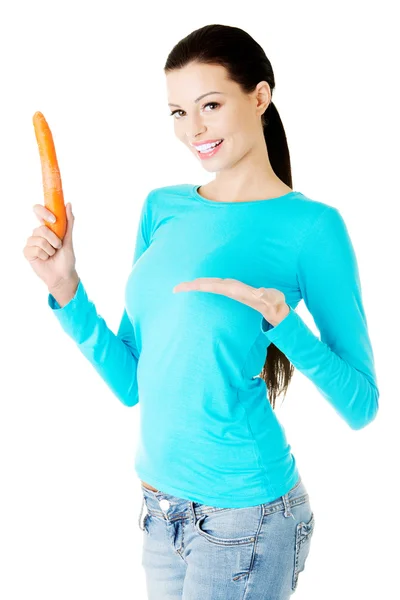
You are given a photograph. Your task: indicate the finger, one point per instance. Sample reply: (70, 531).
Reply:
(41, 243)
(230, 287)
(70, 224)
(205, 284)
(46, 233)
(34, 252)
(43, 214)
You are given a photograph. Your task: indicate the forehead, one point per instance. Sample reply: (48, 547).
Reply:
(189, 82)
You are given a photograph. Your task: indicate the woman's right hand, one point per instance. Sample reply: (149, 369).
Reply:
(53, 263)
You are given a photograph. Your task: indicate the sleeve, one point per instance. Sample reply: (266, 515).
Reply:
(341, 362)
(114, 356)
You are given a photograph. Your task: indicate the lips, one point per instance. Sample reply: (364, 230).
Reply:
(202, 143)
(209, 153)
(211, 147)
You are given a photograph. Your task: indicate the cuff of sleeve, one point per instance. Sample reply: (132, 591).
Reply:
(282, 329)
(79, 294)
(72, 312)
(296, 340)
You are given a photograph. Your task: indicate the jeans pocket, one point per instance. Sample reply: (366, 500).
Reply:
(230, 526)
(143, 523)
(146, 522)
(304, 532)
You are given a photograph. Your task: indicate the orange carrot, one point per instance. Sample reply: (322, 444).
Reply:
(52, 187)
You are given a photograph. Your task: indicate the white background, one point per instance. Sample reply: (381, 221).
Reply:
(70, 498)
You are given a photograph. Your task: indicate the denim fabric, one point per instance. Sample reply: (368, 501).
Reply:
(192, 551)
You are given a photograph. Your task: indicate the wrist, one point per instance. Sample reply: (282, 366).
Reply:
(63, 281)
(65, 289)
(279, 316)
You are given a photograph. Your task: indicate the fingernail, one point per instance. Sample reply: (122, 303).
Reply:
(52, 219)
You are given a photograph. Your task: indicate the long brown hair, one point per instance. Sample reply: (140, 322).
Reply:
(246, 64)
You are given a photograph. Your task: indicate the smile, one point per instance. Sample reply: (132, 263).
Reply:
(208, 151)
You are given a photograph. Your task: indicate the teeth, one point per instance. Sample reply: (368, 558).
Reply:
(206, 147)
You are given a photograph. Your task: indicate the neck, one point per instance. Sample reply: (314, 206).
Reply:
(251, 178)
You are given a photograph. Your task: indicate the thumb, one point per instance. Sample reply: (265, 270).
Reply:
(70, 225)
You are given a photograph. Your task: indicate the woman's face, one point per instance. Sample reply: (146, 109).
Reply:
(229, 115)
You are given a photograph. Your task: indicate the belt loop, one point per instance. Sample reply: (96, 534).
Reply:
(286, 502)
(140, 516)
(191, 507)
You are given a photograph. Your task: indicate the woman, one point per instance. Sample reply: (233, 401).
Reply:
(218, 270)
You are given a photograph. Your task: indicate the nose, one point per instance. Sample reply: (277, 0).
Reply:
(195, 128)
(193, 138)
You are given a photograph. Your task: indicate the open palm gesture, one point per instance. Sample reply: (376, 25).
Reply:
(267, 301)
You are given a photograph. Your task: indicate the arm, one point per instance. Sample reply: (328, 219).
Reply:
(341, 363)
(114, 356)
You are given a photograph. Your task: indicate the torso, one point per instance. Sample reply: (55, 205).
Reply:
(279, 190)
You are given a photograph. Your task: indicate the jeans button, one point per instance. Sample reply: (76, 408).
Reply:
(164, 504)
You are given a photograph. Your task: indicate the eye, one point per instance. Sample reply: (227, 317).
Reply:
(208, 104)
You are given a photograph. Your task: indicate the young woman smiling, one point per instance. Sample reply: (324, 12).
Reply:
(209, 335)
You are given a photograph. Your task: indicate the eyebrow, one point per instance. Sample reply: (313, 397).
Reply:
(197, 99)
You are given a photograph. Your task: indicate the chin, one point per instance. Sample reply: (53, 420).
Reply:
(212, 168)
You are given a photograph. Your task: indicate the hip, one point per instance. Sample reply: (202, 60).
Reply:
(265, 545)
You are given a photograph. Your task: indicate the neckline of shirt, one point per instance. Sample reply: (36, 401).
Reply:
(195, 194)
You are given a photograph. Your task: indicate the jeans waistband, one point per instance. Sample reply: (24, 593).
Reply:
(172, 508)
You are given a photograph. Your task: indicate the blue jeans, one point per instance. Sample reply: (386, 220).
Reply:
(196, 552)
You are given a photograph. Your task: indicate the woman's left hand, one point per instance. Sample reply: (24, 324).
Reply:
(267, 301)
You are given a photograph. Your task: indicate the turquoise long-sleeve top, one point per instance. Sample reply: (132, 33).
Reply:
(191, 360)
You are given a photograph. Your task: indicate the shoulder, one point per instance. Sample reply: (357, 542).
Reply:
(323, 231)
(313, 208)
(307, 215)
(165, 200)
